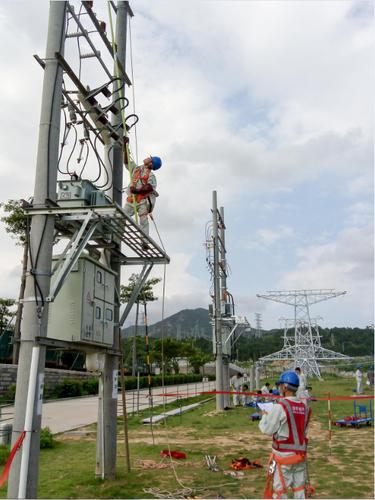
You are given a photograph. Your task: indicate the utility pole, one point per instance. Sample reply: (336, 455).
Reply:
(93, 225)
(224, 301)
(23, 479)
(108, 381)
(217, 308)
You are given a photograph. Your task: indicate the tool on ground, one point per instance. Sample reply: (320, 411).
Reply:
(173, 454)
(211, 463)
(244, 463)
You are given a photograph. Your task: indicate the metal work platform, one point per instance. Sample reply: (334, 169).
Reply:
(96, 228)
(104, 225)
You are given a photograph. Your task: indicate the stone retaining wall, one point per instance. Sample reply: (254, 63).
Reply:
(52, 376)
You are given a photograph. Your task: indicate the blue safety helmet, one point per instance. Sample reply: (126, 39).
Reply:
(156, 162)
(289, 377)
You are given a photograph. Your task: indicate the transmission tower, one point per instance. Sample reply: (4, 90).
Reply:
(258, 324)
(302, 345)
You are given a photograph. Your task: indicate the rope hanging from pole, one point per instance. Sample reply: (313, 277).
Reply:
(148, 360)
(124, 414)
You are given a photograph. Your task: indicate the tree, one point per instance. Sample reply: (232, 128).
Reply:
(166, 353)
(146, 294)
(5, 313)
(17, 224)
(195, 356)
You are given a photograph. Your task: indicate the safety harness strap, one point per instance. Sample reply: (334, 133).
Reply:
(279, 461)
(300, 488)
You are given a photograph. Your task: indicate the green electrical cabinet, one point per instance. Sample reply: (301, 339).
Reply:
(84, 307)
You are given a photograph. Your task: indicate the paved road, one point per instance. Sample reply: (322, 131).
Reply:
(68, 414)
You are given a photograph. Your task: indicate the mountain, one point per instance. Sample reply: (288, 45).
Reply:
(184, 324)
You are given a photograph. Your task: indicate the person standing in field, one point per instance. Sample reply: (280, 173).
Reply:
(236, 384)
(358, 378)
(287, 423)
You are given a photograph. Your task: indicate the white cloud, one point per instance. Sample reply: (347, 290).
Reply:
(361, 214)
(264, 98)
(269, 237)
(346, 264)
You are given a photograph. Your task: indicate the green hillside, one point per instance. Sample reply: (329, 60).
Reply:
(194, 323)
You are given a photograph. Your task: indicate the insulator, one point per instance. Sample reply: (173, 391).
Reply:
(86, 133)
(72, 113)
(75, 34)
(82, 142)
(90, 54)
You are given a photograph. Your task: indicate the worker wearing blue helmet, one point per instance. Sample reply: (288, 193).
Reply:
(142, 189)
(287, 423)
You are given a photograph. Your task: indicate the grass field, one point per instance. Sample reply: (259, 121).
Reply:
(67, 471)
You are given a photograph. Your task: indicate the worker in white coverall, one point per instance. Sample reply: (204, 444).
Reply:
(358, 377)
(236, 385)
(302, 391)
(287, 423)
(142, 189)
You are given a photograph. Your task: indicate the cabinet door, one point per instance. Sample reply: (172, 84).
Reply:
(87, 319)
(99, 284)
(98, 320)
(88, 305)
(109, 294)
(108, 324)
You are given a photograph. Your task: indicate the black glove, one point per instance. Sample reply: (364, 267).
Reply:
(145, 189)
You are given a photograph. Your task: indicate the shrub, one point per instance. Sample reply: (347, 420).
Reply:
(4, 453)
(46, 438)
(68, 388)
(11, 393)
(156, 380)
(90, 386)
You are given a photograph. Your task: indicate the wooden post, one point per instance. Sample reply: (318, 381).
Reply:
(329, 424)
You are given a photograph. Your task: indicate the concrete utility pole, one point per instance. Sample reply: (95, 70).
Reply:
(217, 307)
(252, 377)
(108, 390)
(257, 376)
(23, 477)
(223, 299)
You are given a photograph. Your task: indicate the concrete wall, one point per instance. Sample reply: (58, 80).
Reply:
(53, 376)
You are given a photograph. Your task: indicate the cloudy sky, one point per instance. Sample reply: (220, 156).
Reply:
(270, 103)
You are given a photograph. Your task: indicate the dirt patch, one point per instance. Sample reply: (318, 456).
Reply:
(79, 436)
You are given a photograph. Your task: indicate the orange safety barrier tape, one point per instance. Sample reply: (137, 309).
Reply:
(273, 396)
(12, 454)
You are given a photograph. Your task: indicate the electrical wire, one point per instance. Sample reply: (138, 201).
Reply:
(133, 88)
(99, 160)
(79, 44)
(64, 139)
(87, 157)
(100, 168)
(73, 148)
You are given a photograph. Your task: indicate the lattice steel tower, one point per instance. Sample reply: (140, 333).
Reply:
(258, 324)
(302, 345)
